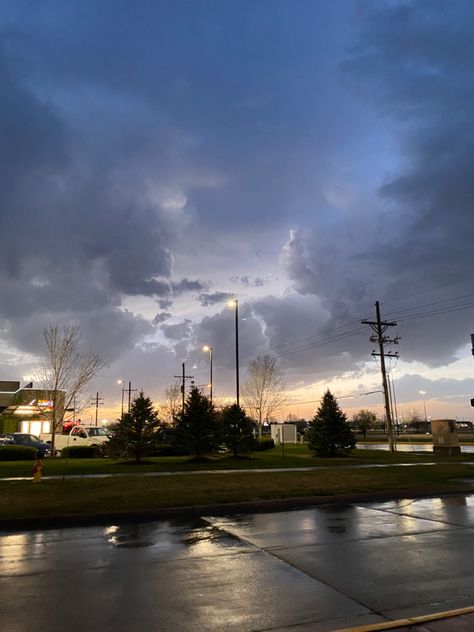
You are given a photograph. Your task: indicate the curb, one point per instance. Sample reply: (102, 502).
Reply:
(399, 623)
(191, 511)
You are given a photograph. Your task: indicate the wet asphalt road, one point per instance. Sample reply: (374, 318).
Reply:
(316, 569)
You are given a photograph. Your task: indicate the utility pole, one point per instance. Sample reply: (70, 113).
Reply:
(393, 401)
(237, 371)
(379, 327)
(130, 391)
(183, 377)
(97, 401)
(472, 349)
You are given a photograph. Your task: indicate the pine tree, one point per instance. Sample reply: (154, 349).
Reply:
(136, 431)
(329, 433)
(197, 429)
(237, 430)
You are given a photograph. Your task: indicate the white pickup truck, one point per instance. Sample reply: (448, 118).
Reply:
(79, 435)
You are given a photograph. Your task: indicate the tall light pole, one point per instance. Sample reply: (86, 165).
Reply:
(235, 305)
(123, 390)
(423, 393)
(209, 349)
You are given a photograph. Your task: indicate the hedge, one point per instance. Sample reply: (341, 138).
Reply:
(80, 451)
(17, 453)
(262, 444)
(8, 424)
(168, 449)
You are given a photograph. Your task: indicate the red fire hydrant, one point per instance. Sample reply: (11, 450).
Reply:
(37, 471)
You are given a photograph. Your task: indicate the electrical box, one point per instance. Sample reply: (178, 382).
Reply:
(445, 437)
(284, 433)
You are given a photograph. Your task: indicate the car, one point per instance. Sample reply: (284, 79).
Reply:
(27, 440)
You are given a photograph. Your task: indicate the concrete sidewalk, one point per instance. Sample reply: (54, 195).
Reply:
(260, 470)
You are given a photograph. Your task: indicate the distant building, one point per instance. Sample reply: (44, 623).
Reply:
(26, 409)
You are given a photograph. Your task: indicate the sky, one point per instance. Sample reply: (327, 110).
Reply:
(306, 158)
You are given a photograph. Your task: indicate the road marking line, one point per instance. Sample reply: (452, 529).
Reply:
(391, 625)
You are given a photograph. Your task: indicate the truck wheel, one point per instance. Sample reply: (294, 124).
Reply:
(99, 450)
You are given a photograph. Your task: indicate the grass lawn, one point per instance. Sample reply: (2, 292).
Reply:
(56, 498)
(50, 498)
(294, 456)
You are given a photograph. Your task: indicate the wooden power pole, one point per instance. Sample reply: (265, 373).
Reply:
(379, 327)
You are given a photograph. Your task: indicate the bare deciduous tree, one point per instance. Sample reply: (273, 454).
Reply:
(67, 371)
(263, 392)
(364, 420)
(171, 404)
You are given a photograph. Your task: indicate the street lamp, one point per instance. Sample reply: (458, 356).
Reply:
(423, 393)
(209, 349)
(123, 390)
(235, 304)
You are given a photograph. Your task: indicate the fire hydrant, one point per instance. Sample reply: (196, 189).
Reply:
(37, 471)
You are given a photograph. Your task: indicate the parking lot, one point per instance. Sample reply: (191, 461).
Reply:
(322, 568)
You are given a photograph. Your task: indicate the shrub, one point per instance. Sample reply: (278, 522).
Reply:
(8, 424)
(237, 430)
(17, 453)
(262, 444)
(167, 449)
(80, 451)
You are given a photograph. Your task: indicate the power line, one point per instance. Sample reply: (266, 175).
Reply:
(458, 308)
(321, 340)
(97, 401)
(446, 300)
(315, 340)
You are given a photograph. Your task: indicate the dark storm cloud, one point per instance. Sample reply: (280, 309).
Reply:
(305, 340)
(58, 213)
(213, 298)
(417, 60)
(218, 331)
(408, 389)
(161, 317)
(131, 139)
(74, 239)
(108, 330)
(186, 285)
(413, 62)
(190, 64)
(247, 281)
(178, 331)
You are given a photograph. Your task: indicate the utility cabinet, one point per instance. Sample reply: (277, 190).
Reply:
(284, 433)
(445, 437)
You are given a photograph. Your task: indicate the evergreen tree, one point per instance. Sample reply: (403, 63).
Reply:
(329, 433)
(197, 429)
(237, 430)
(136, 431)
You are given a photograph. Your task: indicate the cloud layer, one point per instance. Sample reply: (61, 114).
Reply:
(309, 163)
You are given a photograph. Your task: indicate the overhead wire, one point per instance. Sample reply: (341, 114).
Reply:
(318, 339)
